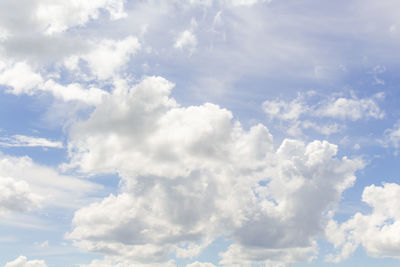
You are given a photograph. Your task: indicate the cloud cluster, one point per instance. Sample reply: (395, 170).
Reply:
(22, 261)
(192, 174)
(303, 111)
(378, 232)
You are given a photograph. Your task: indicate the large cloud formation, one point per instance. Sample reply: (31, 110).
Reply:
(192, 174)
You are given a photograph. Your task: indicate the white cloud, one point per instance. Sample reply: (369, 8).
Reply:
(21, 78)
(28, 141)
(186, 40)
(4, 34)
(57, 190)
(16, 195)
(110, 56)
(352, 108)
(378, 232)
(192, 174)
(238, 256)
(247, 2)
(109, 262)
(59, 15)
(341, 108)
(393, 135)
(201, 2)
(326, 129)
(200, 264)
(303, 111)
(283, 110)
(22, 261)
(74, 91)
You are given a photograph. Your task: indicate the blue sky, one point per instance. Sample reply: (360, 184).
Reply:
(199, 133)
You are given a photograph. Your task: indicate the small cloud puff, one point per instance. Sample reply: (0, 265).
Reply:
(22, 261)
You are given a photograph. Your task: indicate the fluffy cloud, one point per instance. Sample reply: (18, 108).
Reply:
(20, 78)
(36, 30)
(352, 108)
(74, 91)
(110, 56)
(57, 16)
(378, 232)
(192, 174)
(106, 59)
(16, 195)
(22, 261)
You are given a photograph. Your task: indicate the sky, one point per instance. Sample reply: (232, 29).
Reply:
(199, 133)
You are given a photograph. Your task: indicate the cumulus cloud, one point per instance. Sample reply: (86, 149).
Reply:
(192, 174)
(28, 141)
(377, 232)
(22, 261)
(16, 195)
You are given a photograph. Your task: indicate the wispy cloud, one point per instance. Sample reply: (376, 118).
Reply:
(29, 141)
